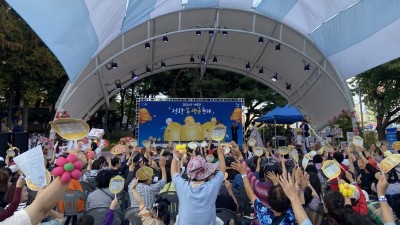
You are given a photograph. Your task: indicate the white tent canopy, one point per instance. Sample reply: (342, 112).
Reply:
(338, 39)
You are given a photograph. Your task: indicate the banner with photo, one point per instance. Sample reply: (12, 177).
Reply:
(188, 119)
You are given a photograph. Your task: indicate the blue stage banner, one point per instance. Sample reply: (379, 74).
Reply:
(180, 120)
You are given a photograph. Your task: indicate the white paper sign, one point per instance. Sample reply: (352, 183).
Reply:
(31, 164)
(96, 133)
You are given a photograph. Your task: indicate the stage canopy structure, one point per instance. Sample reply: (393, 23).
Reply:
(308, 47)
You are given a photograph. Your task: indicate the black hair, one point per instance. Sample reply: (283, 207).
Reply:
(359, 219)
(96, 165)
(161, 209)
(229, 160)
(8, 170)
(393, 177)
(115, 161)
(335, 205)
(317, 158)
(311, 169)
(338, 156)
(315, 183)
(277, 199)
(103, 178)
(102, 159)
(85, 220)
(307, 196)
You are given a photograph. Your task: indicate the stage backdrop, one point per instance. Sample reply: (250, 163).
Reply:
(188, 119)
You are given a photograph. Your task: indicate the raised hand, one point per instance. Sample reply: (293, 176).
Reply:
(290, 187)
(240, 167)
(273, 177)
(134, 183)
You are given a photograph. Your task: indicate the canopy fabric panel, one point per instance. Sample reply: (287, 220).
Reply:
(337, 39)
(282, 115)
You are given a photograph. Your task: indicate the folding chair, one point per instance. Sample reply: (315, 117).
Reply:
(99, 215)
(87, 188)
(130, 215)
(70, 200)
(226, 215)
(172, 197)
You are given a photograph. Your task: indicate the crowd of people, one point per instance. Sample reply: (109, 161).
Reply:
(281, 190)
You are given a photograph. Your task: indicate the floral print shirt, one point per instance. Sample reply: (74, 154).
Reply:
(266, 216)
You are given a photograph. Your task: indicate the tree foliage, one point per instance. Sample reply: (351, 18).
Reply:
(28, 71)
(380, 89)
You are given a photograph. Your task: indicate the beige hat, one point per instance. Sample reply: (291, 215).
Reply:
(144, 173)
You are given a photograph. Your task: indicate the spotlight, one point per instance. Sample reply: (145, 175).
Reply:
(278, 47)
(261, 71)
(198, 33)
(191, 59)
(211, 32)
(203, 59)
(112, 65)
(275, 77)
(148, 70)
(215, 60)
(165, 39)
(118, 84)
(307, 67)
(288, 86)
(147, 45)
(224, 32)
(248, 66)
(260, 40)
(134, 76)
(162, 64)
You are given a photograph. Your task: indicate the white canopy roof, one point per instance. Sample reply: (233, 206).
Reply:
(337, 38)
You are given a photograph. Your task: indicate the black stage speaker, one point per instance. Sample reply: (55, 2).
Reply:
(21, 141)
(4, 139)
(398, 135)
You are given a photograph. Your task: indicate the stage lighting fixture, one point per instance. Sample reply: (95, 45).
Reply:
(134, 76)
(165, 39)
(278, 47)
(307, 67)
(118, 84)
(112, 65)
(260, 40)
(261, 71)
(198, 33)
(288, 86)
(191, 59)
(215, 60)
(275, 77)
(147, 45)
(248, 66)
(203, 59)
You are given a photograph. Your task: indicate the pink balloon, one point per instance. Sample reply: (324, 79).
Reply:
(76, 174)
(65, 178)
(78, 165)
(58, 171)
(61, 161)
(71, 158)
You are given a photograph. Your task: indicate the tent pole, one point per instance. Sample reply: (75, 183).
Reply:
(275, 133)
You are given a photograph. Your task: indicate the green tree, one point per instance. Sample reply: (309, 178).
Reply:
(29, 71)
(379, 87)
